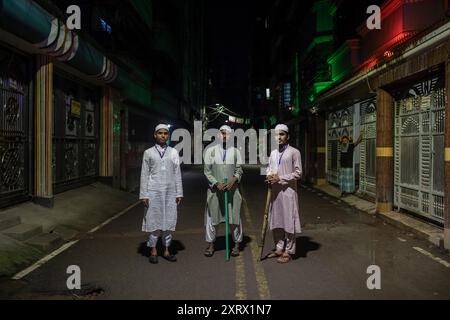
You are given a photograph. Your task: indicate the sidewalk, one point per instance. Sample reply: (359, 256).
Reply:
(421, 229)
(28, 231)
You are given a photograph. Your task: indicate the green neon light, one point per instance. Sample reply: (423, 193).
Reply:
(320, 86)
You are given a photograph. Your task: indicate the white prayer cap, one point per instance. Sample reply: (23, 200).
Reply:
(282, 127)
(226, 128)
(161, 126)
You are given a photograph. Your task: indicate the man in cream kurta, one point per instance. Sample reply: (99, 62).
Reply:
(161, 191)
(285, 168)
(223, 162)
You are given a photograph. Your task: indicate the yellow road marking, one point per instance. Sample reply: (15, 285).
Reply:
(261, 279)
(241, 289)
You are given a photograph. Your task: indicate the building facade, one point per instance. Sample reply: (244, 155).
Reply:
(389, 85)
(79, 106)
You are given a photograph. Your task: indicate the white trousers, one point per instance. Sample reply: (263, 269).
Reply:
(166, 238)
(211, 232)
(284, 241)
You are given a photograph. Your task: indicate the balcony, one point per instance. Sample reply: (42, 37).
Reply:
(400, 20)
(344, 59)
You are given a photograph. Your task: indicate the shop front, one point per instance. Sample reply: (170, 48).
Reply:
(14, 128)
(75, 134)
(419, 178)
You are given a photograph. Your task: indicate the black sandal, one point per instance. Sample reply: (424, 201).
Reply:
(170, 258)
(153, 259)
(235, 252)
(209, 252)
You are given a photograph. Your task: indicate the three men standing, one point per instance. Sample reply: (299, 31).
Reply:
(161, 191)
(224, 172)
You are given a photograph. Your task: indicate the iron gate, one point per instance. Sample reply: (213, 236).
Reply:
(14, 173)
(419, 149)
(367, 176)
(75, 136)
(339, 123)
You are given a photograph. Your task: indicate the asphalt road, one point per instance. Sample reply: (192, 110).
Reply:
(336, 246)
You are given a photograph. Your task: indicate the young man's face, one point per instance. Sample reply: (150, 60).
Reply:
(224, 135)
(161, 136)
(345, 141)
(282, 137)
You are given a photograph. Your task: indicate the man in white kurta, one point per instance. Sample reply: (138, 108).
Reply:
(285, 168)
(223, 161)
(161, 191)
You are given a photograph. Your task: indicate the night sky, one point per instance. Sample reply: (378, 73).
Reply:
(228, 26)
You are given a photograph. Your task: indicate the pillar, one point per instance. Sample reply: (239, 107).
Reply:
(447, 159)
(320, 150)
(43, 140)
(106, 137)
(385, 151)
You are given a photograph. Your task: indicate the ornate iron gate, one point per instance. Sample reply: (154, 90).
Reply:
(419, 149)
(14, 173)
(339, 123)
(367, 177)
(76, 135)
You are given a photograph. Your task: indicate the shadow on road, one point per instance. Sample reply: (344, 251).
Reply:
(219, 245)
(305, 245)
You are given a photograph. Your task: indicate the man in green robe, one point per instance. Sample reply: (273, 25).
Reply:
(223, 161)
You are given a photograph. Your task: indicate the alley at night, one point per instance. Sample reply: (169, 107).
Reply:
(158, 149)
(337, 245)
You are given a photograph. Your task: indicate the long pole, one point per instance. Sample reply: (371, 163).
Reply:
(227, 255)
(265, 222)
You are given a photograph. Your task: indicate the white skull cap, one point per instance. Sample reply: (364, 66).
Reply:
(162, 126)
(226, 128)
(282, 127)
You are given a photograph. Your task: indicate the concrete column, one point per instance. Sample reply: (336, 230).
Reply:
(43, 140)
(106, 137)
(447, 159)
(123, 148)
(385, 151)
(311, 154)
(320, 178)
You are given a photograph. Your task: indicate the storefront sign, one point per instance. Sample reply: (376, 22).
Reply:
(75, 108)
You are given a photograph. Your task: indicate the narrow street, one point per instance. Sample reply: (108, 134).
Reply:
(334, 250)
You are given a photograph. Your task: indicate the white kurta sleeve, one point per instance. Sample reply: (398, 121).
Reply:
(177, 173)
(238, 169)
(207, 170)
(297, 164)
(145, 175)
(269, 170)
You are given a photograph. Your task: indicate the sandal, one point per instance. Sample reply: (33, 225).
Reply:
(153, 259)
(274, 254)
(170, 258)
(209, 252)
(284, 258)
(235, 252)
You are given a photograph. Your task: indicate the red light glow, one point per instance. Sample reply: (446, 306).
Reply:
(388, 54)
